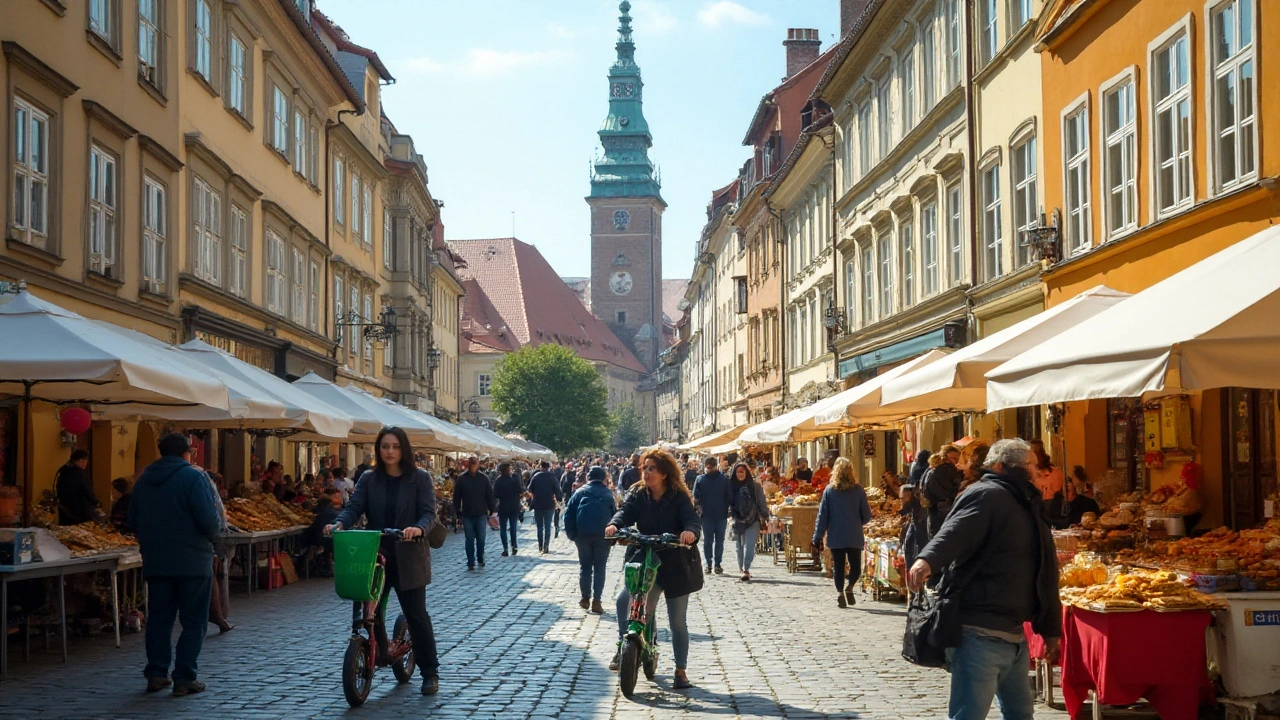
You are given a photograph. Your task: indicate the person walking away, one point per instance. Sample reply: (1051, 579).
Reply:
(473, 503)
(508, 491)
(713, 497)
(395, 493)
(843, 512)
(996, 557)
(175, 514)
(941, 485)
(750, 511)
(544, 495)
(566, 491)
(663, 504)
(585, 518)
(76, 499)
(916, 532)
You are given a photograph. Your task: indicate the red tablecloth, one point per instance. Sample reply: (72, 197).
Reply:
(1127, 656)
(1035, 643)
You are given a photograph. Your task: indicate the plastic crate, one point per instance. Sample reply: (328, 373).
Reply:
(356, 574)
(1216, 583)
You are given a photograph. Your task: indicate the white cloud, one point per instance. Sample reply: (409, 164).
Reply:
(560, 32)
(488, 63)
(653, 18)
(727, 12)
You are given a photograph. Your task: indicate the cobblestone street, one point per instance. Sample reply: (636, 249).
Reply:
(514, 644)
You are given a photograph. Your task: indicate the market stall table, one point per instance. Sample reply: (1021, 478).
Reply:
(1125, 656)
(59, 569)
(250, 542)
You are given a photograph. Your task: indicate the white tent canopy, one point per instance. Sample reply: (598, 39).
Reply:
(722, 437)
(446, 433)
(860, 405)
(364, 406)
(1212, 325)
(958, 382)
(774, 430)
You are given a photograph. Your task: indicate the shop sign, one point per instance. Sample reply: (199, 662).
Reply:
(256, 356)
(1255, 618)
(868, 445)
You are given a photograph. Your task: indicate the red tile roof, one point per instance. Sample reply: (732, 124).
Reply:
(535, 303)
(672, 295)
(483, 329)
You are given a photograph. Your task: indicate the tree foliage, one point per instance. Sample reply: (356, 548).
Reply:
(552, 397)
(630, 430)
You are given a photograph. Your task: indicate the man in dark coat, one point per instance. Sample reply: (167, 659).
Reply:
(941, 485)
(996, 550)
(175, 515)
(508, 491)
(631, 475)
(473, 502)
(545, 496)
(76, 499)
(713, 496)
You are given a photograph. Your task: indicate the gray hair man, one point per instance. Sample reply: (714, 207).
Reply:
(995, 552)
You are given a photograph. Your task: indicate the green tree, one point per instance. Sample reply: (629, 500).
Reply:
(630, 430)
(552, 397)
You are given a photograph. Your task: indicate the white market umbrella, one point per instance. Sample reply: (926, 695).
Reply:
(722, 437)
(497, 445)
(370, 414)
(774, 430)
(1211, 325)
(448, 437)
(860, 405)
(958, 383)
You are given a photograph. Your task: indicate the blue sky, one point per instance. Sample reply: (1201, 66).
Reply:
(504, 98)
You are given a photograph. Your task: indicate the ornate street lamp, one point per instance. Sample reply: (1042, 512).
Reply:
(473, 408)
(380, 331)
(1045, 239)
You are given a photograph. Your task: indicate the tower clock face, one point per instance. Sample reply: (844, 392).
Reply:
(620, 283)
(621, 220)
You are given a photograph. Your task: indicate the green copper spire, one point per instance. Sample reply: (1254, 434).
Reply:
(625, 169)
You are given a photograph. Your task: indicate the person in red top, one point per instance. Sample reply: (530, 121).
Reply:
(821, 476)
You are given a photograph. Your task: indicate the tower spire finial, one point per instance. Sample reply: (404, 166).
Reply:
(626, 44)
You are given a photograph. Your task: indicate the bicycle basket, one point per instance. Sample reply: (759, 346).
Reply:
(356, 575)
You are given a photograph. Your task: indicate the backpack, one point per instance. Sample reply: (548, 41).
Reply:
(594, 511)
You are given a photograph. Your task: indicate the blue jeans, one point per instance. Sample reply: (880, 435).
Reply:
(983, 667)
(542, 518)
(176, 598)
(476, 528)
(747, 546)
(677, 608)
(713, 530)
(593, 558)
(508, 522)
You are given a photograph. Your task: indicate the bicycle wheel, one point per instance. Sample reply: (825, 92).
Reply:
(357, 673)
(629, 667)
(403, 667)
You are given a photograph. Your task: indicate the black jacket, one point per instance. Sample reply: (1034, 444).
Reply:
(473, 495)
(681, 571)
(507, 491)
(76, 499)
(941, 485)
(545, 489)
(415, 507)
(629, 477)
(326, 513)
(997, 537)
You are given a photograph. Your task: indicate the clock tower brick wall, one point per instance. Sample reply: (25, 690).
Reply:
(637, 252)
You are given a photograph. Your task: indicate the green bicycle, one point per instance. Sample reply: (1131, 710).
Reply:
(359, 570)
(639, 645)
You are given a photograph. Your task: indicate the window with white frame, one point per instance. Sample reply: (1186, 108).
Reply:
(955, 232)
(276, 272)
(357, 192)
(1120, 129)
(338, 309)
(1075, 148)
(907, 251)
(368, 317)
(885, 255)
(353, 340)
(299, 142)
(238, 73)
(1171, 89)
(864, 138)
(204, 40)
(1025, 200)
(850, 285)
(313, 299)
(484, 381)
(884, 122)
(953, 31)
(1233, 50)
(389, 355)
(154, 235)
(929, 248)
(102, 211)
(366, 209)
(149, 37)
(313, 150)
(388, 238)
(102, 19)
(992, 237)
(339, 190)
(239, 251)
(279, 120)
(928, 56)
(206, 237)
(846, 155)
(815, 329)
(804, 333)
(990, 30)
(1019, 14)
(30, 173)
(867, 261)
(907, 84)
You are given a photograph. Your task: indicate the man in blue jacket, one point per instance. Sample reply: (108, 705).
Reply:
(713, 496)
(589, 512)
(545, 494)
(175, 514)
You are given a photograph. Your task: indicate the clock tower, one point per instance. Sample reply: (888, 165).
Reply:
(626, 213)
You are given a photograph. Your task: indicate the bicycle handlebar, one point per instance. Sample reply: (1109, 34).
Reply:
(629, 536)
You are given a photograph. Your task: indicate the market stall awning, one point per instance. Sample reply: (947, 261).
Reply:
(774, 430)
(449, 437)
(259, 400)
(1212, 325)
(958, 381)
(366, 407)
(859, 405)
(54, 354)
(718, 438)
(497, 446)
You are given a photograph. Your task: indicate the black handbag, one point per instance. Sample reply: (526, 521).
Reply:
(437, 534)
(917, 643)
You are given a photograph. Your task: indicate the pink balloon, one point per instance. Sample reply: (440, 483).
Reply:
(76, 420)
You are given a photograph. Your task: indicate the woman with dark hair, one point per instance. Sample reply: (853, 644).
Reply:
(749, 511)
(918, 468)
(1078, 501)
(663, 504)
(76, 501)
(972, 460)
(396, 494)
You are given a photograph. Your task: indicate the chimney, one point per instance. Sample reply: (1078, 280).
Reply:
(849, 12)
(803, 46)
